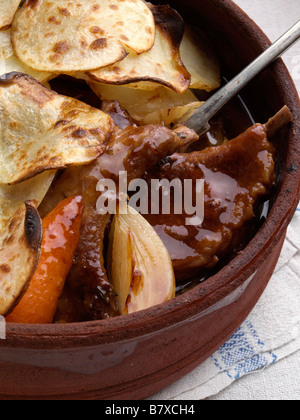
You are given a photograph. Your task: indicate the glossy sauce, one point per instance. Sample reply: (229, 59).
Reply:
(236, 176)
(222, 192)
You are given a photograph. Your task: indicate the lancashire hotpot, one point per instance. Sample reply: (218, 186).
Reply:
(134, 356)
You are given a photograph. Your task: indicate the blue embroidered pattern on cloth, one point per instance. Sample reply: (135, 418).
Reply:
(239, 356)
(270, 334)
(246, 351)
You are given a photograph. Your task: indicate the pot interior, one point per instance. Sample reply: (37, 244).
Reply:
(236, 41)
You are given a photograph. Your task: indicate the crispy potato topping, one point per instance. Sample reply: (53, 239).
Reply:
(80, 35)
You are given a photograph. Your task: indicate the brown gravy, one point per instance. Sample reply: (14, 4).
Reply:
(234, 119)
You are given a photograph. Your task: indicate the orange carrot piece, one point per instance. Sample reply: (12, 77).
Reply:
(60, 240)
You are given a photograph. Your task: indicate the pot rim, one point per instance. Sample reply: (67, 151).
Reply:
(231, 277)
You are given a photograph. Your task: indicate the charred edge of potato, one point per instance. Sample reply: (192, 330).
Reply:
(139, 265)
(171, 26)
(23, 241)
(78, 46)
(8, 9)
(33, 226)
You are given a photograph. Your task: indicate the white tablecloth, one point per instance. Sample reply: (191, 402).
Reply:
(262, 359)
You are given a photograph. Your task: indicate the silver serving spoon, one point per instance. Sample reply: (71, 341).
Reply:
(199, 122)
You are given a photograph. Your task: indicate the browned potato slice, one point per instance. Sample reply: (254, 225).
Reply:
(42, 130)
(200, 61)
(5, 44)
(20, 242)
(140, 267)
(9, 62)
(162, 64)
(13, 196)
(7, 10)
(78, 35)
(160, 106)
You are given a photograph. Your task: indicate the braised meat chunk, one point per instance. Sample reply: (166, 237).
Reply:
(133, 150)
(235, 175)
(132, 204)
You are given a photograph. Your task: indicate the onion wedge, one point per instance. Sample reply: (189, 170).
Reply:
(140, 266)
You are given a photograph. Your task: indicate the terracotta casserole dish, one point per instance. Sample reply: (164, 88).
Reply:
(134, 356)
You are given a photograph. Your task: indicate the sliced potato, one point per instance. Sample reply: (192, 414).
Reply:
(197, 57)
(7, 10)
(161, 106)
(200, 61)
(78, 35)
(173, 116)
(140, 267)
(13, 196)
(5, 45)
(161, 65)
(9, 62)
(20, 242)
(42, 130)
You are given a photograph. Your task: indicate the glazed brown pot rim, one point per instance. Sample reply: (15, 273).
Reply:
(213, 290)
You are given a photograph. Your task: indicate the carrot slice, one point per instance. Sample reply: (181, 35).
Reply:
(60, 239)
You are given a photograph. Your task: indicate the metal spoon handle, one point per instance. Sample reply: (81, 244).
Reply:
(199, 122)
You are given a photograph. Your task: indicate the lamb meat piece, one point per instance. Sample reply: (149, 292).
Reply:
(134, 150)
(235, 175)
(120, 117)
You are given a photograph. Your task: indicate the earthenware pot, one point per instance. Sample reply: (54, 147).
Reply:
(134, 356)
